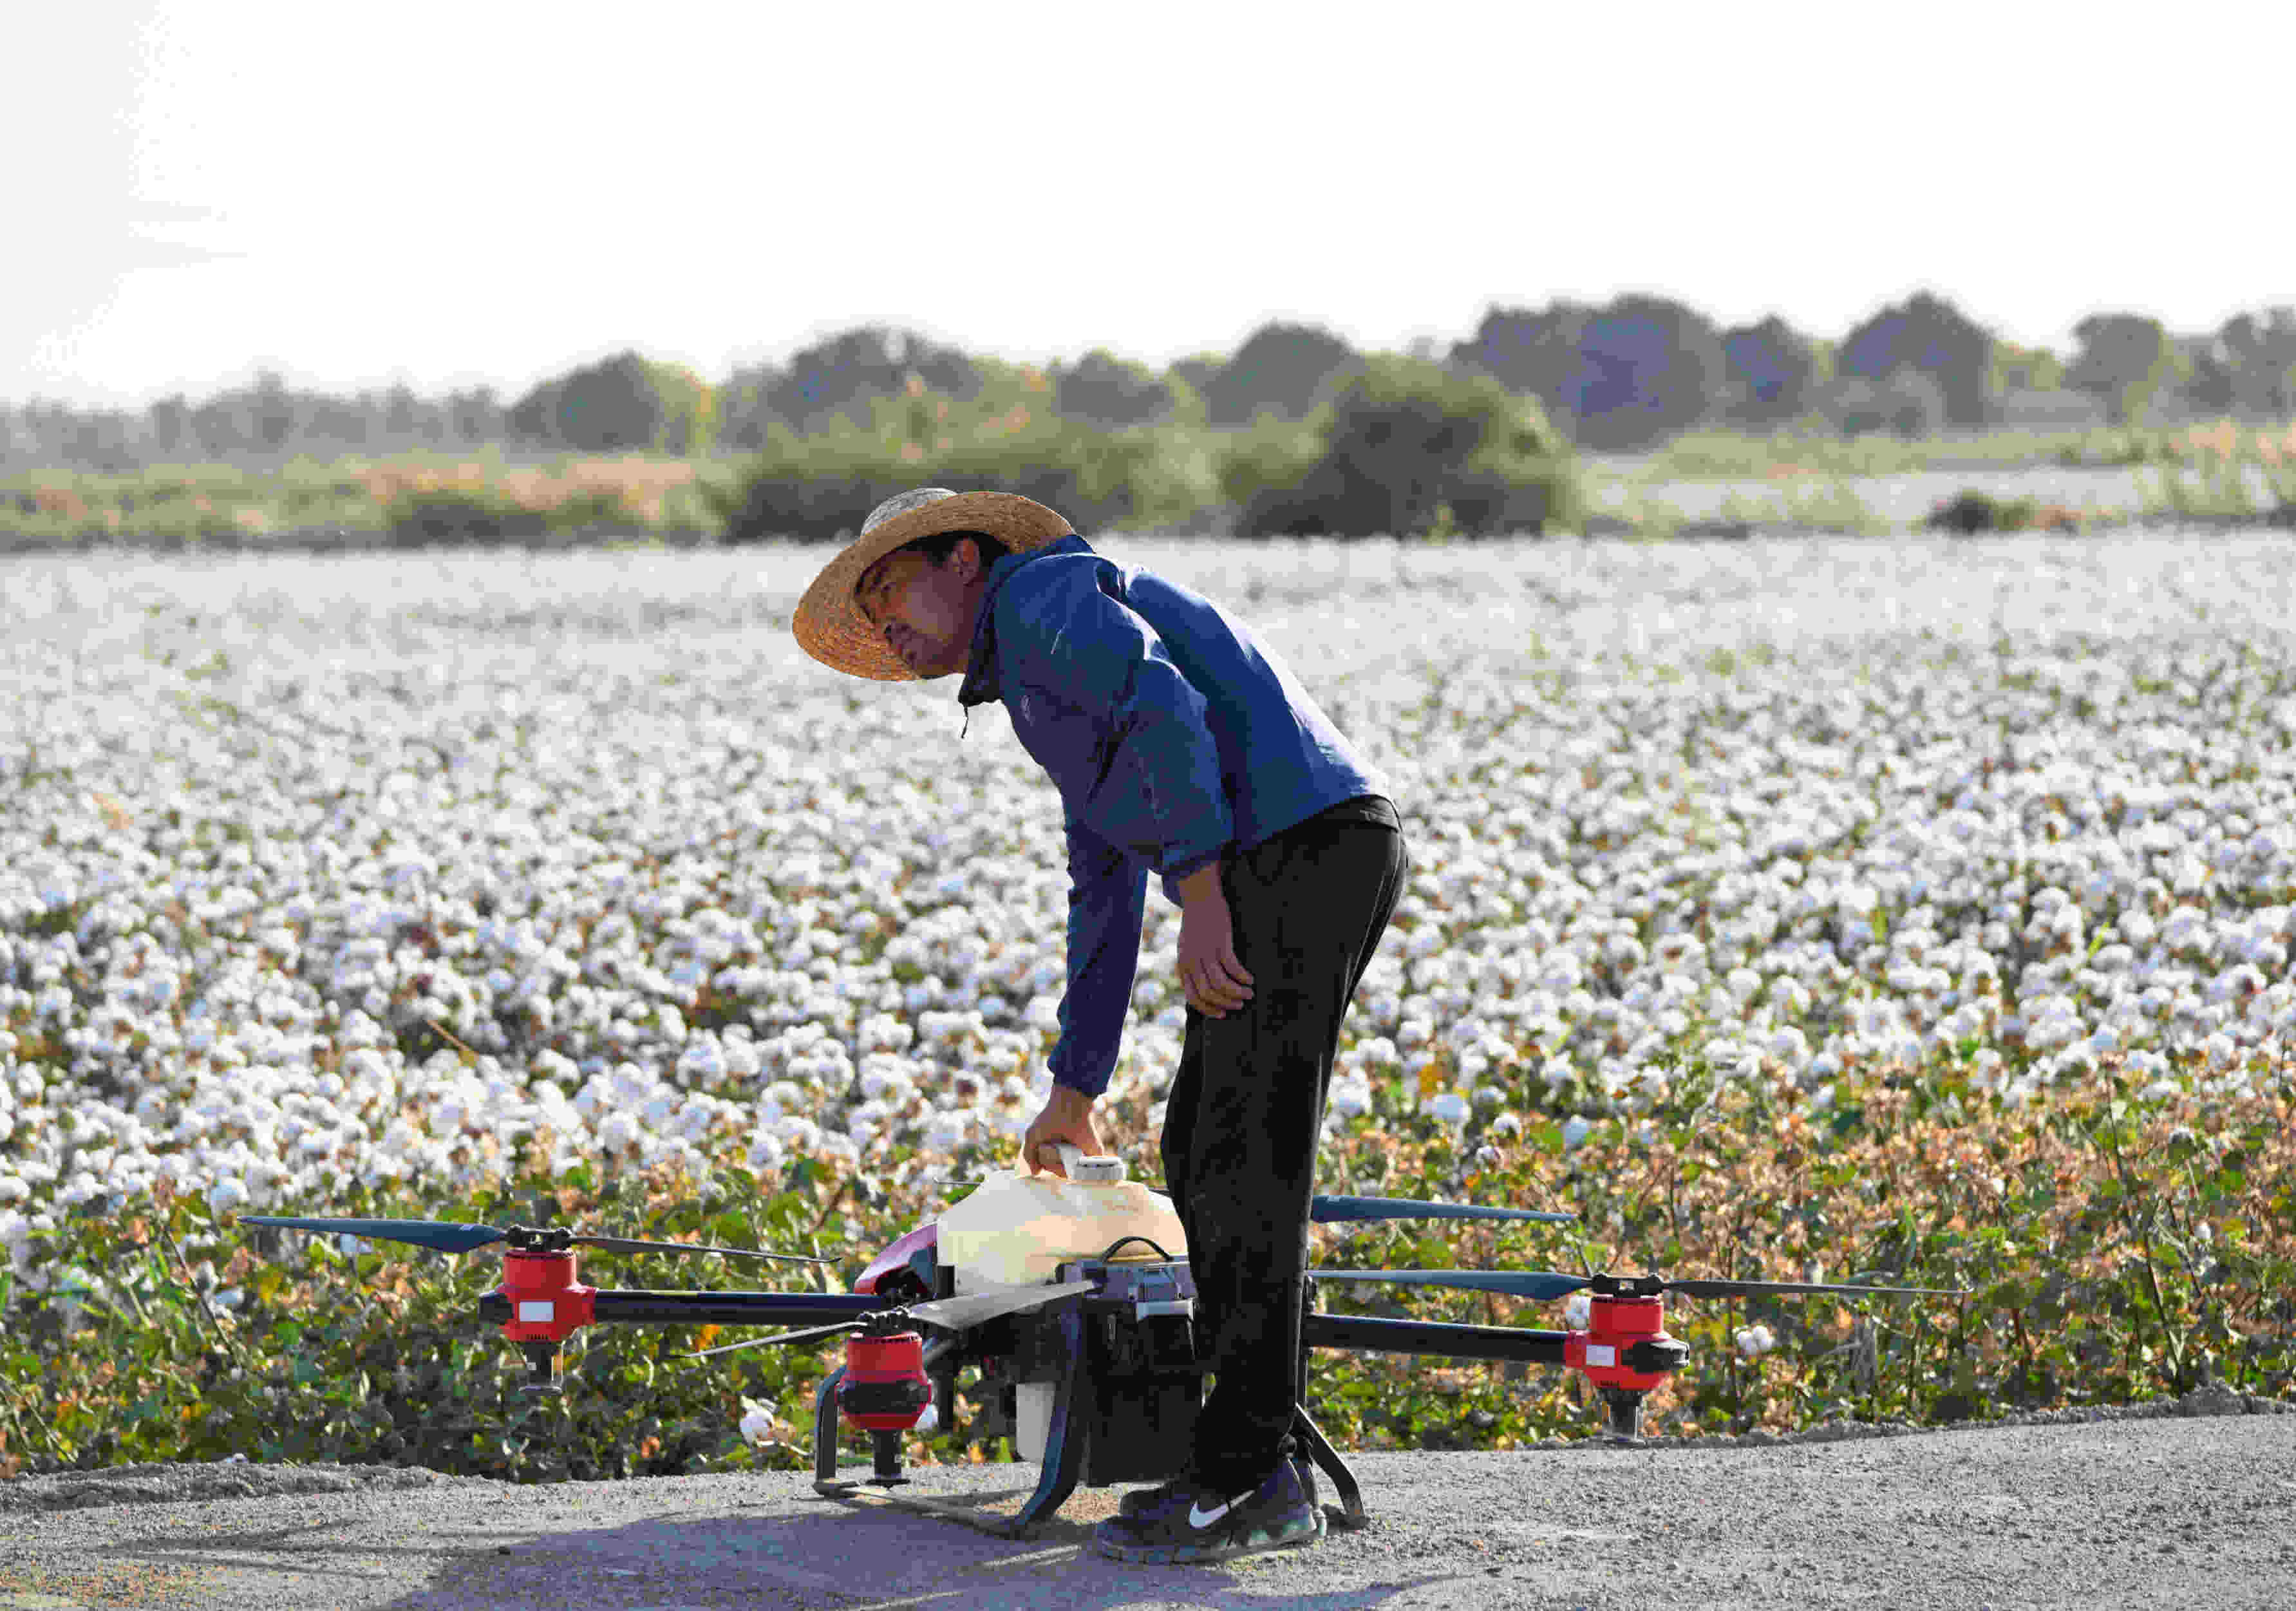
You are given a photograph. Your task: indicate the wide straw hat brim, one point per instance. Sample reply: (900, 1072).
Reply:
(830, 626)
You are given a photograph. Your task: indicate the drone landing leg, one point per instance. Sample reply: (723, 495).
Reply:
(1625, 1408)
(1065, 1436)
(885, 1450)
(1327, 1460)
(824, 1435)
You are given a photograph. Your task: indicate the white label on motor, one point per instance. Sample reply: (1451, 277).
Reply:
(1601, 1353)
(542, 1312)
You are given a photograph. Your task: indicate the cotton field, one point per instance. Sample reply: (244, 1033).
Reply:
(319, 870)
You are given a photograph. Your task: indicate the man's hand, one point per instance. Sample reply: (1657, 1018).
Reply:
(1067, 1117)
(1213, 977)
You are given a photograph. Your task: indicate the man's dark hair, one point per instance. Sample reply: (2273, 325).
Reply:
(940, 545)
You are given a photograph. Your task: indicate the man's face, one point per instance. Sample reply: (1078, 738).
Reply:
(925, 611)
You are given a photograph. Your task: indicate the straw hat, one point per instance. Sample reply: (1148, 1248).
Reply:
(830, 626)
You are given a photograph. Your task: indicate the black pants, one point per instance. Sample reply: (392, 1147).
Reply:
(1240, 1122)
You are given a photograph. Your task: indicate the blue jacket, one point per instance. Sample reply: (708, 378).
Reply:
(1177, 737)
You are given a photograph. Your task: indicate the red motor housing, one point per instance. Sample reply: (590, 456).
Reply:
(1625, 1336)
(546, 1303)
(885, 1387)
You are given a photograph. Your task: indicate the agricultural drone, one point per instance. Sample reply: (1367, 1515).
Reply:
(1095, 1374)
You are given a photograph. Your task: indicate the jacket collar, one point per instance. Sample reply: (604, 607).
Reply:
(980, 680)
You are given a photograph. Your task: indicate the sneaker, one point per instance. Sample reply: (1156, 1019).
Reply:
(1141, 1500)
(1185, 1521)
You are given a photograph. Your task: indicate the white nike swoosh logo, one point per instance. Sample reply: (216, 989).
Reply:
(1199, 1517)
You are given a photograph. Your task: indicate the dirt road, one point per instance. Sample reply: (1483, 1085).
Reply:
(2159, 1507)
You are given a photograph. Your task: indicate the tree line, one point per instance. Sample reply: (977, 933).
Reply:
(1622, 377)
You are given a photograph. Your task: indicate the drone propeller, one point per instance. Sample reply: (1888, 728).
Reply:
(1552, 1284)
(950, 1314)
(1324, 1210)
(1513, 1282)
(1695, 1288)
(449, 1236)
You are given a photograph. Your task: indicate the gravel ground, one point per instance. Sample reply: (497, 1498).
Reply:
(2184, 1502)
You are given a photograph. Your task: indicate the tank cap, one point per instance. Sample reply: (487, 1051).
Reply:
(1105, 1169)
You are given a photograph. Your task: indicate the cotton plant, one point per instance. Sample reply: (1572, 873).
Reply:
(1777, 799)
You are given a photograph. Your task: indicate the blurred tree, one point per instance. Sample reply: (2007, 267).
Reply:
(625, 404)
(745, 418)
(270, 411)
(1102, 390)
(1932, 337)
(2261, 355)
(1533, 353)
(2209, 387)
(2124, 360)
(1770, 372)
(1284, 369)
(2010, 368)
(1906, 403)
(841, 374)
(1194, 372)
(1403, 441)
(402, 415)
(170, 430)
(1650, 368)
(476, 416)
(689, 405)
(604, 407)
(2015, 375)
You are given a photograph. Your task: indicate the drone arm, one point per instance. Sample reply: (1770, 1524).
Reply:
(1366, 1334)
(609, 1305)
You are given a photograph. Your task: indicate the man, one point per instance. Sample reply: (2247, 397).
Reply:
(1181, 745)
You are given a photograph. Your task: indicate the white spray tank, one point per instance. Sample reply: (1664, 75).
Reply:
(1016, 1227)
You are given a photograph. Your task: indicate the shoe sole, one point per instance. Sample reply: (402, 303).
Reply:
(1256, 1540)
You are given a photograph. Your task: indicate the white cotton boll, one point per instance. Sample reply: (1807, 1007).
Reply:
(1350, 1098)
(1448, 1108)
(225, 1194)
(702, 1059)
(1754, 1341)
(1576, 1129)
(618, 1132)
(796, 1130)
(945, 1132)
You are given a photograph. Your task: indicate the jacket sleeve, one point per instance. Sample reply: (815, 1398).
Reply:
(1107, 900)
(1084, 645)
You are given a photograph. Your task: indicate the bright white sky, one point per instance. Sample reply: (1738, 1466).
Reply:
(489, 192)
